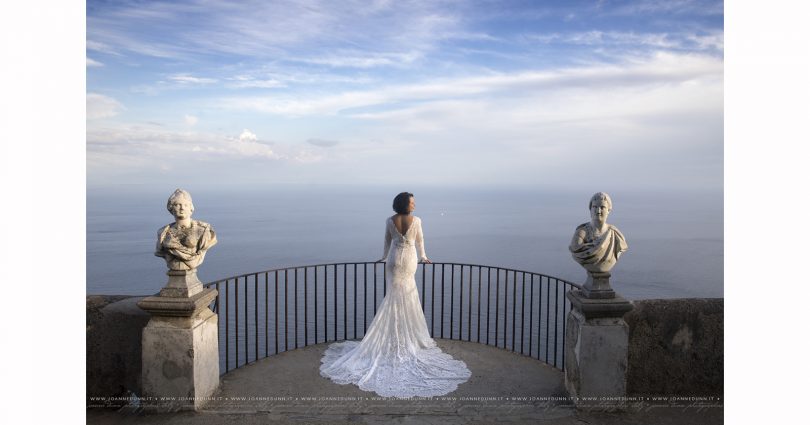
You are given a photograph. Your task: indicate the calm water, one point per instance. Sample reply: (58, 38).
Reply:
(675, 239)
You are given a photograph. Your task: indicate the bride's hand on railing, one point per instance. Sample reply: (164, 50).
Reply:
(425, 260)
(381, 260)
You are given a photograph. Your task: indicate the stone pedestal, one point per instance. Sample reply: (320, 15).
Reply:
(180, 355)
(182, 284)
(597, 286)
(596, 344)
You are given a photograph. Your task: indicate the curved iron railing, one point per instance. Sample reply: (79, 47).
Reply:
(255, 315)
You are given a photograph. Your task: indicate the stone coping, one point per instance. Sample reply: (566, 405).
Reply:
(178, 306)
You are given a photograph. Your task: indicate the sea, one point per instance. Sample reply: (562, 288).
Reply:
(675, 238)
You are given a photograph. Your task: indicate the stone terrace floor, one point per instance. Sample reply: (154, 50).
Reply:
(505, 387)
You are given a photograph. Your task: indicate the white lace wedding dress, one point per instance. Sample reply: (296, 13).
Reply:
(397, 357)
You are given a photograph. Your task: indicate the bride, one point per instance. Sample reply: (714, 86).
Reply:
(397, 357)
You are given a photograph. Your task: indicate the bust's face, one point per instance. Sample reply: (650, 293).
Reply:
(599, 211)
(181, 209)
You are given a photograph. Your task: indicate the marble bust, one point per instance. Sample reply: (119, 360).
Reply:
(183, 243)
(597, 245)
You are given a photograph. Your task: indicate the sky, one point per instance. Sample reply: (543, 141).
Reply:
(564, 94)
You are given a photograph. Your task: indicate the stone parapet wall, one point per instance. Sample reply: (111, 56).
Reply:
(676, 347)
(114, 327)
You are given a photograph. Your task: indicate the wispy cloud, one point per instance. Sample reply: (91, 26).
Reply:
(713, 40)
(283, 77)
(269, 29)
(172, 83)
(323, 143)
(92, 63)
(661, 68)
(244, 81)
(100, 106)
(140, 143)
(355, 59)
(694, 7)
(101, 48)
(189, 79)
(595, 37)
(681, 41)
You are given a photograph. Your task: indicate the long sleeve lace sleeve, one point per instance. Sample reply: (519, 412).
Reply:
(420, 241)
(387, 244)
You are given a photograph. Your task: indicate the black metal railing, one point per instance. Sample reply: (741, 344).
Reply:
(269, 312)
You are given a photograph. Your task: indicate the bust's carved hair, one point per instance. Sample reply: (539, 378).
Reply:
(179, 194)
(600, 196)
(401, 202)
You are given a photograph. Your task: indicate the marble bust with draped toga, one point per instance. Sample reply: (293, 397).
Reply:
(597, 245)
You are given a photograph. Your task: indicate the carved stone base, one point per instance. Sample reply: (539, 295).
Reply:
(180, 361)
(182, 283)
(598, 286)
(596, 351)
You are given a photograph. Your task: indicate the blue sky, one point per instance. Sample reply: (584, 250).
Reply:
(562, 94)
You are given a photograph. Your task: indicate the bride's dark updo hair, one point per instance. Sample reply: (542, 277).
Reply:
(401, 202)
